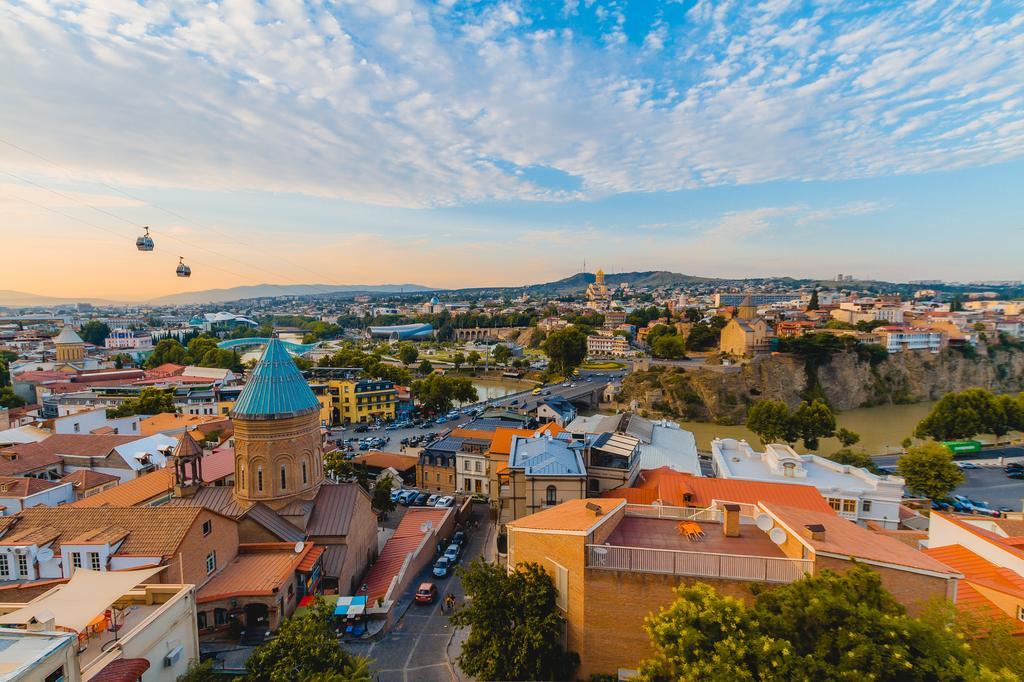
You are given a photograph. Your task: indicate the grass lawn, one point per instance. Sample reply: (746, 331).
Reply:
(603, 365)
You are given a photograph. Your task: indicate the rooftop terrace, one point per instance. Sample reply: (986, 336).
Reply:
(657, 545)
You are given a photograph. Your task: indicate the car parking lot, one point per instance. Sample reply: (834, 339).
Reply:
(991, 484)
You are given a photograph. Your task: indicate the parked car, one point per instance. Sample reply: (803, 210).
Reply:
(443, 566)
(459, 538)
(967, 465)
(421, 500)
(432, 500)
(1016, 474)
(453, 553)
(440, 420)
(426, 593)
(395, 494)
(408, 496)
(446, 501)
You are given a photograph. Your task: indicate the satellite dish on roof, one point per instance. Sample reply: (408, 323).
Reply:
(44, 554)
(426, 526)
(777, 535)
(764, 522)
(299, 546)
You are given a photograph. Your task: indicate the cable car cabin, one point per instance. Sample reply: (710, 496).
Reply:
(183, 270)
(145, 242)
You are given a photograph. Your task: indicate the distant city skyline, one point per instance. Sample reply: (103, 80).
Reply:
(504, 143)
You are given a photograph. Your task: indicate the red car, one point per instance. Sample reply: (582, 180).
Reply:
(426, 593)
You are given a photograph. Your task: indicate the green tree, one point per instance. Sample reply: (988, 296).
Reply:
(1007, 415)
(458, 359)
(961, 415)
(928, 470)
(337, 465)
(955, 304)
(94, 332)
(122, 360)
(847, 437)
(305, 647)
(826, 627)
(5, 372)
(813, 303)
(502, 354)
(671, 346)
(9, 399)
(407, 353)
(199, 672)
(438, 392)
(381, 494)
(515, 625)
(813, 421)
(425, 367)
(855, 458)
(991, 635)
(151, 400)
(167, 350)
(473, 358)
(566, 349)
(705, 335)
(537, 337)
(771, 421)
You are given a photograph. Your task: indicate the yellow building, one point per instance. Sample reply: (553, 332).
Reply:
(597, 292)
(354, 401)
(745, 338)
(69, 346)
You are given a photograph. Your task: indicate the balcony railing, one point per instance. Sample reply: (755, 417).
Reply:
(697, 564)
(713, 514)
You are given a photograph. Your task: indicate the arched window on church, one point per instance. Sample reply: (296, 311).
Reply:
(305, 473)
(241, 478)
(259, 479)
(284, 477)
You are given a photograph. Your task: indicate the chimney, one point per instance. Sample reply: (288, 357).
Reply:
(731, 520)
(814, 531)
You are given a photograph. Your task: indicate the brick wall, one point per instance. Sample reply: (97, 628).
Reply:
(195, 547)
(616, 605)
(913, 590)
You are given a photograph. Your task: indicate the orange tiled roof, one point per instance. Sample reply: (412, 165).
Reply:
(257, 570)
(677, 489)
(846, 538)
(84, 479)
(501, 441)
(473, 434)
(383, 460)
(132, 493)
(570, 516)
(307, 564)
(152, 531)
(979, 570)
(21, 486)
(168, 421)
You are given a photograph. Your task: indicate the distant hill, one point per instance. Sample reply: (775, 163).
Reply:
(270, 290)
(647, 278)
(22, 299)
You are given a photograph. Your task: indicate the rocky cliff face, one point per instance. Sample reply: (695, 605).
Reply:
(723, 394)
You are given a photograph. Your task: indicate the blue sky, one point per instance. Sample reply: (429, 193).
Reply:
(469, 143)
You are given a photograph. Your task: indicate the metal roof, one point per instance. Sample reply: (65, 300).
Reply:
(67, 335)
(276, 388)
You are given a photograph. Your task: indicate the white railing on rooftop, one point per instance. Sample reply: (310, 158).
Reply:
(713, 514)
(697, 564)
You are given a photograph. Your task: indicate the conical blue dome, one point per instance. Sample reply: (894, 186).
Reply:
(276, 388)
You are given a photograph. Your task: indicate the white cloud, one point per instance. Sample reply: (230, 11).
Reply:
(404, 102)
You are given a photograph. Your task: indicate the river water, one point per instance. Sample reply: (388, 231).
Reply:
(490, 389)
(881, 428)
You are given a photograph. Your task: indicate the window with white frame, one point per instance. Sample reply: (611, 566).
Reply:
(865, 505)
(23, 565)
(5, 567)
(94, 561)
(76, 559)
(211, 562)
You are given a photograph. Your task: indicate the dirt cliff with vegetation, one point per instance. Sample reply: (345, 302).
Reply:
(846, 379)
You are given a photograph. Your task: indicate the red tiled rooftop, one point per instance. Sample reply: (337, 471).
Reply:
(677, 489)
(257, 570)
(406, 539)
